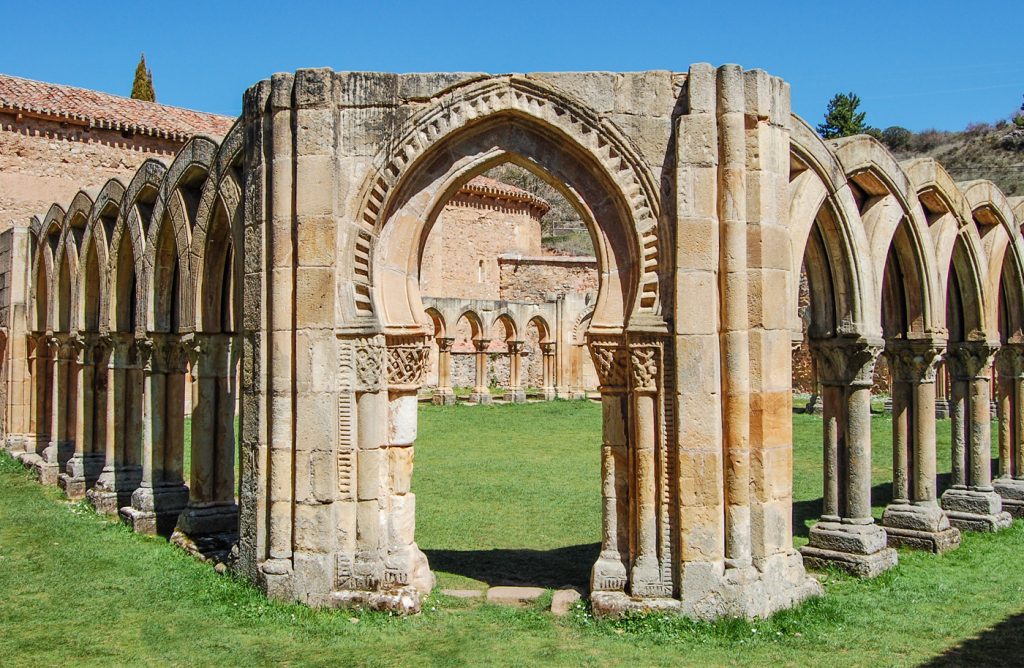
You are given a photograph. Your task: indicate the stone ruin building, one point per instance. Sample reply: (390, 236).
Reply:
(288, 252)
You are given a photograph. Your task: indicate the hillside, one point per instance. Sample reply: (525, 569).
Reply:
(981, 151)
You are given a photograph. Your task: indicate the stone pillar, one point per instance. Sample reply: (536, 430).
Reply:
(211, 512)
(972, 504)
(941, 391)
(516, 393)
(162, 494)
(62, 390)
(1009, 484)
(646, 356)
(443, 394)
(42, 394)
(848, 539)
(86, 463)
(914, 518)
(481, 392)
(121, 474)
(611, 362)
(548, 352)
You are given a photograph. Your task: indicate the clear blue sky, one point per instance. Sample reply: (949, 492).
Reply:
(917, 64)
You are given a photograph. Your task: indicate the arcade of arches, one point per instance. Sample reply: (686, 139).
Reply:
(286, 261)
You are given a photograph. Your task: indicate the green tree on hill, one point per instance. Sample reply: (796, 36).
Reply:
(842, 118)
(142, 87)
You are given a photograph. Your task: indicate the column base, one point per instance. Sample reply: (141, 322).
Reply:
(275, 579)
(975, 510)
(859, 549)
(1011, 490)
(516, 396)
(402, 601)
(114, 489)
(81, 473)
(155, 510)
(919, 527)
(609, 573)
(443, 399)
(14, 444)
(481, 398)
(941, 409)
(208, 519)
(47, 473)
(710, 591)
(549, 394)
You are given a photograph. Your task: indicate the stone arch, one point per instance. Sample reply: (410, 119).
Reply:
(217, 239)
(509, 329)
(894, 220)
(513, 119)
(92, 284)
(67, 259)
(825, 221)
(168, 271)
(46, 235)
(997, 227)
(127, 248)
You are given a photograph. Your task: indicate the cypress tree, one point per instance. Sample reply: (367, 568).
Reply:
(142, 86)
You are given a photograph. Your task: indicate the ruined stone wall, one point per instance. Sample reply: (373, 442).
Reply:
(44, 161)
(539, 278)
(461, 255)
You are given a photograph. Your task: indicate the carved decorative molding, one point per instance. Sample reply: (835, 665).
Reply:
(913, 363)
(407, 361)
(971, 360)
(610, 359)
(370, 364)
(645, 365)
(846, 361)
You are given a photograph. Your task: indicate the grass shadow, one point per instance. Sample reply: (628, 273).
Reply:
(561, 567)
(1000, 645)
(810, 509)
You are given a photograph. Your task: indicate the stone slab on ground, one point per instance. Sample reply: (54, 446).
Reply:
(464, 593)
(514, 595)
(563, 600)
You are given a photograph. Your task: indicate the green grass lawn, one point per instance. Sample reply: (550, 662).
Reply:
(504, 494)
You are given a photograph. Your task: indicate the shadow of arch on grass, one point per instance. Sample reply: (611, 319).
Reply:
(1000, 645)
(561, 567)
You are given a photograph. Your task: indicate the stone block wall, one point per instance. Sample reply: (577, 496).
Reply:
(537, 278)
(42, 162)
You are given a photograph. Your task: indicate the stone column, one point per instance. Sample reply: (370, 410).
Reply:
(120, 475)
(1010, 482)
(36, 385)
(60, 448)
(972, 504)
(941, 391)
(516, 393)
(87, 461)
(211, 510)
(914, 518)
(162, 494)
(548, 352)
(611, 363)
(645, 363)
(481, 392)
(848, 539)
(444, 395)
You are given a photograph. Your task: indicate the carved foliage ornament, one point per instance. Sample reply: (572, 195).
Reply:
(842, 362)
(913, 364)
(369, 365)
(971, 360)
(645, 365)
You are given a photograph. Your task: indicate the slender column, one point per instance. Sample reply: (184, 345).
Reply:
(444, 395)
(645, 360)
(1010, 482)
(481, 392)
(58, 448)
(914, 518)
(974, 506)
(853, 541)
(516, 394)
(74, 480)
(548, 352)
(162, 494)
(119, 476)
(610, 361)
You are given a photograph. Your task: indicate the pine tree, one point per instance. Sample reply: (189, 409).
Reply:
(842, 119)
(142, 87)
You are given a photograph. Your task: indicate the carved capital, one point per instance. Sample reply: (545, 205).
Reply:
(444, 345)
(481, 345)
(971, 360)
(610, 360)
(913, 362)
(142, 353)
(369, 364)
(645, 359)
(406, 362)
(548, 348)
(515, 347)
(1010, 361)
(846, 361)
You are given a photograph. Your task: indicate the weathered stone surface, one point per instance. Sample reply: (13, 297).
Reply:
(563, 601)
(517, 596)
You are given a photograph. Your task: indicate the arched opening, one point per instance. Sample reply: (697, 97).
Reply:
(540, 373)
(562, 556)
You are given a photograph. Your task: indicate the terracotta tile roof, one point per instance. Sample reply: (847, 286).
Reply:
(485, 185)
(106, 111)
